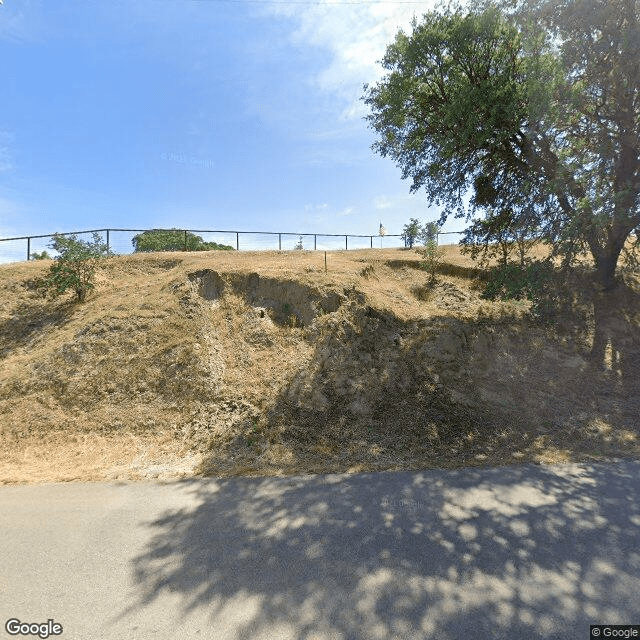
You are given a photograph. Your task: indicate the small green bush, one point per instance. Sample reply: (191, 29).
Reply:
(532, 282)
(432, 256)
(411, 232)
(515, 282)
(75, 266)
(43, 255)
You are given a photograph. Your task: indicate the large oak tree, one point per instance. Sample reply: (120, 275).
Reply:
(534, 107)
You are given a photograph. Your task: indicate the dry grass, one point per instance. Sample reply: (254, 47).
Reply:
(261, 363)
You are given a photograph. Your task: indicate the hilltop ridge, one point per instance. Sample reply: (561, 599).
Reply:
(261, 363)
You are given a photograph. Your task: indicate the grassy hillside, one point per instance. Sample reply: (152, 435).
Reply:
(262, 363)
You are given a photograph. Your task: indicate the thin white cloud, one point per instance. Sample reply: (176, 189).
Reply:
(356, 38)
(323, 156)
(5, 160)
(331, 133)
(21, 22)
(382, 202)
(6, 138)
(314, 208)
(8, 207)
(394, 211)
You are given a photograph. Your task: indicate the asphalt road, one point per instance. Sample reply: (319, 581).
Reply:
(516, 552)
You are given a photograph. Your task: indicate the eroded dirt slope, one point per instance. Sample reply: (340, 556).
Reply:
(263, 363)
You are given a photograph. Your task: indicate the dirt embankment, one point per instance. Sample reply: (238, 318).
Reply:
(263, 363)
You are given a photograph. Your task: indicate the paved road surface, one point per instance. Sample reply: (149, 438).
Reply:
(517, 553)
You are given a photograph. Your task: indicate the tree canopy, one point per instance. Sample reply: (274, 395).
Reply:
(410, 232)
(173, 240)
(535, 108)
(413, 232)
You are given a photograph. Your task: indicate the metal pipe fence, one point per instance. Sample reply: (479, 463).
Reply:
(447, 233)
(120, 241)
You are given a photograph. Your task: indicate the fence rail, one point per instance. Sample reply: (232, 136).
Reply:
(120, 242)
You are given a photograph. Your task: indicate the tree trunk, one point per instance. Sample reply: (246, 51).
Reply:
(600, 337)
(606, 261)
(606, 270)
(606, 258)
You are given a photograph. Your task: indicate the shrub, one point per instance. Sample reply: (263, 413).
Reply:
(432, 255)
(75, 266)
(411, 232)
(429, 233)
(173, 240)
(43, 255)
(516, 282)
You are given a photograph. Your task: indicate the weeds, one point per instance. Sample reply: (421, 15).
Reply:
(432, 259)
(368, 271)
(252, 438)
(432, 256)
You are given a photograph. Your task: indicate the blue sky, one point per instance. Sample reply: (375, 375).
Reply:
(205, 114)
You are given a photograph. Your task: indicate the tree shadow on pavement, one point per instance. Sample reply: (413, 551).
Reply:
(514, 552)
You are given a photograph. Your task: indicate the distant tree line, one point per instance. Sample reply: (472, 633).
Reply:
(173, 240)
(414, 232)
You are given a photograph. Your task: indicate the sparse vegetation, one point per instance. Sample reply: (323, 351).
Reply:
(410, 232)
(532, 282)
(43, 255)
(498, 235)
(157, 376)
(414, 232)
(432, 256)
(429, 233)
(368, 271)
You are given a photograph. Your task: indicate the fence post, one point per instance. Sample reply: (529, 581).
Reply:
(315, 237)
(28, 249)
(185, 239)
(107, 241)
(279, 242)
(346, 243)
(237, 241)
(372, 242)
